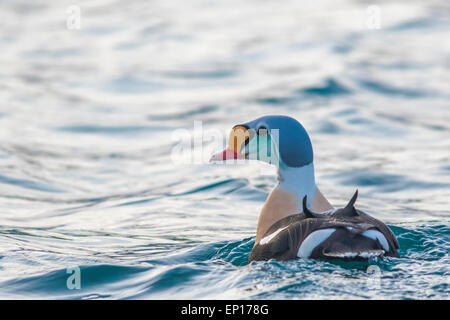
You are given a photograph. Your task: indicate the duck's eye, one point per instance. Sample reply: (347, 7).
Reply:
(262, 131)
(264, 144)
(247, 140)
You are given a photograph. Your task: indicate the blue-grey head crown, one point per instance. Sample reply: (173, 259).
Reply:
(294, 143)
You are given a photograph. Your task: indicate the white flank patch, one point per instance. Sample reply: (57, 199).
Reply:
(371, 254)
(312, 241)
(266, 239)
(365, 254)
(345, 255)
(374, 235)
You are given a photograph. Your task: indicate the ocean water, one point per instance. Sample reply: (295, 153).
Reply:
(88, 181)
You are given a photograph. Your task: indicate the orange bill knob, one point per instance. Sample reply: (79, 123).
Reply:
(236, 140)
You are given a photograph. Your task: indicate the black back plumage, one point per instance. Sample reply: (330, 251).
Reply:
(349, 222)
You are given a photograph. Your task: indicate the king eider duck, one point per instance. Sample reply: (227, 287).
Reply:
(297, 221)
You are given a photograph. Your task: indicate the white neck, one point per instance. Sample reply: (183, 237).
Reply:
(299, 182)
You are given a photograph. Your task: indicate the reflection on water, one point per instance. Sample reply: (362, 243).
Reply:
(86, 122)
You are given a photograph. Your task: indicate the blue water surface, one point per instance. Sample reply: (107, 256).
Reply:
(88, 120)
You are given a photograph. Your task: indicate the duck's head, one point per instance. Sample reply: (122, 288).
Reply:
(278, 140)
